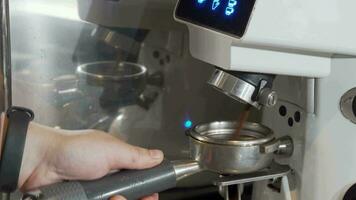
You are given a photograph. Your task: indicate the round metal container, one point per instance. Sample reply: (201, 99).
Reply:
(100, 73)
(118, 80)
(213, 146)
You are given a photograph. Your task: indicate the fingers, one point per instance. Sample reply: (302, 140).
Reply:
(152, 197)
(132, 157)
(93, 155)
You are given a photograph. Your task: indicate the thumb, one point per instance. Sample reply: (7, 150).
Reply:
(132, 157)
(117, 198)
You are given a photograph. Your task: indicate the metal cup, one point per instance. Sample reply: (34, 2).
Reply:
(214, 147)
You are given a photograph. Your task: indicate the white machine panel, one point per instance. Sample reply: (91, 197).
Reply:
(313, 25)
(309, 26)
(308, 34)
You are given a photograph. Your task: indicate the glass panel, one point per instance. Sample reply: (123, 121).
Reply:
(119, 66)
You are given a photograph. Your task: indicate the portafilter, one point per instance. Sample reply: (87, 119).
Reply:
(213, 148)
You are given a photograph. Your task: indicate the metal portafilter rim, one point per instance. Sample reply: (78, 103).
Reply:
(220, 133)
(138, 71)
(233, 87)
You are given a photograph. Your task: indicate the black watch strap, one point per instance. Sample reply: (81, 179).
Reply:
(10, 163)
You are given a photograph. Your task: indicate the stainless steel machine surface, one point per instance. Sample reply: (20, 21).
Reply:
(5, 58)
(48, 48)
(53, 40)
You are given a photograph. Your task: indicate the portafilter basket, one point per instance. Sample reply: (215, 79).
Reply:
(215, 148)
(117, 81)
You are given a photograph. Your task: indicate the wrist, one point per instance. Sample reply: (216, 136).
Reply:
(2, 132)
(41, 144)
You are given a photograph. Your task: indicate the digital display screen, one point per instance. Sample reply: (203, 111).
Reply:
(226, 16)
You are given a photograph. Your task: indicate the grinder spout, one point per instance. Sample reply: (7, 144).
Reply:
(248, 88)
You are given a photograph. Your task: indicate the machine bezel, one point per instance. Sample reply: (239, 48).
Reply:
(205, 27)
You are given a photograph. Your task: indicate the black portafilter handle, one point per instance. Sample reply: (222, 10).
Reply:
(132, 184)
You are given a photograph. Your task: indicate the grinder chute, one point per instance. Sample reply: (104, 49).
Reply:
(248, 88)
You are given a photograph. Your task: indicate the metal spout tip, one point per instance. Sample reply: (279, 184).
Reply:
(186, 168)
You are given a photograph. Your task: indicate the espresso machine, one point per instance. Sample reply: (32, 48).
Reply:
(301, 53)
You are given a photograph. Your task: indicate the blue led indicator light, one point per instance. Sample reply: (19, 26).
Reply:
(216, 4)
(230, 9)
(188, 124)
(201, 1)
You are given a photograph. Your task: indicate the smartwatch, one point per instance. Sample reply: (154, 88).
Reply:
(18, 119)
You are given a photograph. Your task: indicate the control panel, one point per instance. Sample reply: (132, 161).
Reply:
(226, 16)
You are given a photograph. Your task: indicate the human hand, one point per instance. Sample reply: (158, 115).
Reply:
(53, 155)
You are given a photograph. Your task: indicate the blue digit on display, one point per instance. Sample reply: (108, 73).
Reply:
(201, 1)
(232, 3)
(215, 5)
(230, 9)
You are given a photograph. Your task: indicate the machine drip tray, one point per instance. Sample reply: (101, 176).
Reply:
(272, 172)
(206, 193)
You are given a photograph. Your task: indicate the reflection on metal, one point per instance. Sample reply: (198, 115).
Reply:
(348, 105)
(5, 58)
(65, 10)
(183, 169)
(100, 90)
(5, 196)
(5, 61)
(122, 42)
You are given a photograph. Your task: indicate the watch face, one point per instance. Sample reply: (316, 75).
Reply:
(227, 16)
